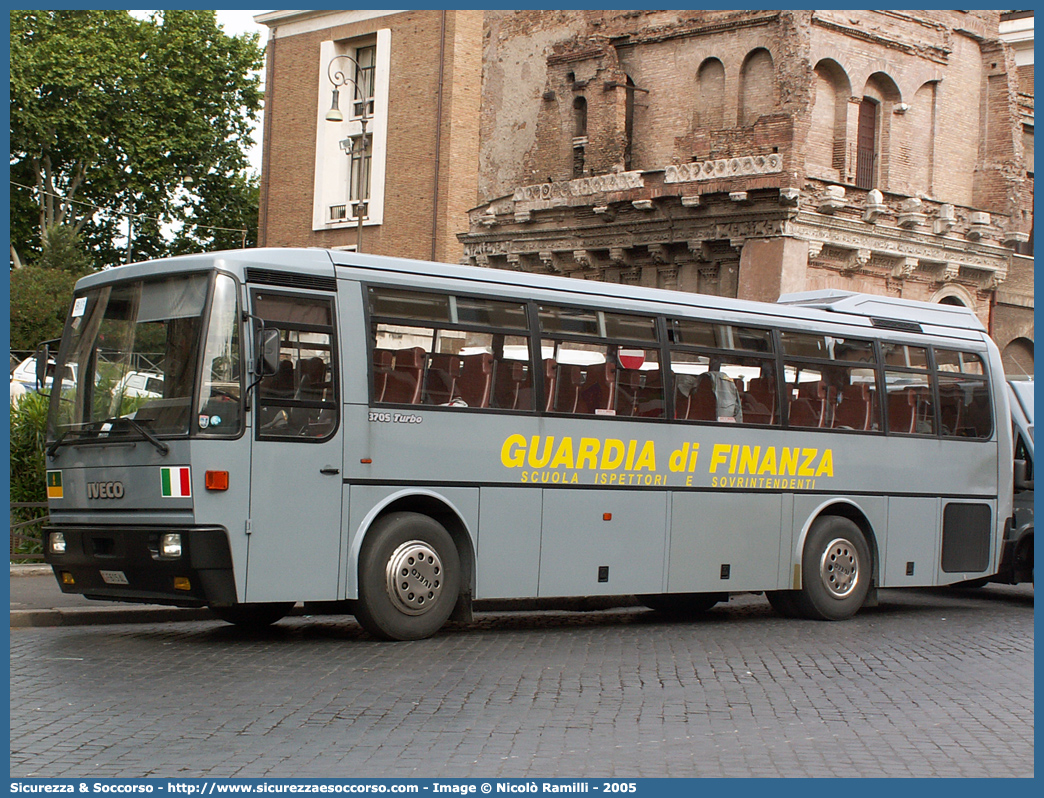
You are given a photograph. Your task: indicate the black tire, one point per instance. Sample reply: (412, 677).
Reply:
(835, 570)
(253, 616)
(784, 602)
(409, 577)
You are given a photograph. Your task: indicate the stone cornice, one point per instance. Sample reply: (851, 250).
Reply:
(908, 251)
(940, 55)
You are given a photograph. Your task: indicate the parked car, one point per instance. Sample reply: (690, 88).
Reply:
(139, 383)
(23, 378)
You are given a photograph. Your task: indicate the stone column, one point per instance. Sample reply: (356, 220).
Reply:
(772, 266)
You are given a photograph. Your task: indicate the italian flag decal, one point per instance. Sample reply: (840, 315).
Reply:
(54, 484)
(176, 482)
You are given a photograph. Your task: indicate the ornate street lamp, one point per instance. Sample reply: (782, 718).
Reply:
(339, 77)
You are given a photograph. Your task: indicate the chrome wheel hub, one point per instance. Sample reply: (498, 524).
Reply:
(839, 568)
(414, 577)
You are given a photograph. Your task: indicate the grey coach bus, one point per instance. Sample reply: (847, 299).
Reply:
(396, 439)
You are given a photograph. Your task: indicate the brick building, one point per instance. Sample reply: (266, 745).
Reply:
(741, 153)
(1013, 315)
(752, 153)
(418, 75)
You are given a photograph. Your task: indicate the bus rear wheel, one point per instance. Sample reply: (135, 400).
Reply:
(835, 569)
(253, 616)
(409, 577)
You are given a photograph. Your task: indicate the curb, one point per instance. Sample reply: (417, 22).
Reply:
(90, 616)
(31, 570)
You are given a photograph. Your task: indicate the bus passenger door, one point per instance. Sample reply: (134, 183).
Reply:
(296, 484)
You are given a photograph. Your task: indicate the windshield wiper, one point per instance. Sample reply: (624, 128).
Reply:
(99, 427)
(137, 425)
(58, 443)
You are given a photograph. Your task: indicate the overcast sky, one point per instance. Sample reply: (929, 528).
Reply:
(237, 22)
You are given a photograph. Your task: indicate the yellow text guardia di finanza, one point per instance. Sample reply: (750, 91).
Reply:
(613, 461)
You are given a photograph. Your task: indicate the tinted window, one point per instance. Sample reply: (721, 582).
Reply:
(904, 356)
(712, 335)
(963, 362)
(826, 347)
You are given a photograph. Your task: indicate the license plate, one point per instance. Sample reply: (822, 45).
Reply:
(114, 578)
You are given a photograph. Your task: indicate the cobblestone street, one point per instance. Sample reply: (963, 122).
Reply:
(931, 683)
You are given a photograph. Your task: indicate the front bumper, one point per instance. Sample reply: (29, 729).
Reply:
(123, 564)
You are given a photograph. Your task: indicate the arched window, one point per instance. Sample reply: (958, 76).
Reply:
(874, 132)
(579, 117)
(579, 135)
(866, 144)
(710, 95)
(1018, 357)
(829, 128)
(629, 124)
(757, 91)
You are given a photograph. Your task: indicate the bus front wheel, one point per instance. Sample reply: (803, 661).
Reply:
(409, 577)
(835, 570)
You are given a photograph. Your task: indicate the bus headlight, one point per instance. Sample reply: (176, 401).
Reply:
(56, 543)
(170, 545)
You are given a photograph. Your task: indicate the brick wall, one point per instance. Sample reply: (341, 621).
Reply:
(420, 220)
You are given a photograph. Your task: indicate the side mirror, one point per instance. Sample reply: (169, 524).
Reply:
(1021, 482)
(43, 355)
(268, 346)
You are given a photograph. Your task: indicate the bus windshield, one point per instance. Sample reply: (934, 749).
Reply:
(135, 348)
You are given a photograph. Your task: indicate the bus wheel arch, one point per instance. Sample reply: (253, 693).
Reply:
(438, 526)
(839, 562)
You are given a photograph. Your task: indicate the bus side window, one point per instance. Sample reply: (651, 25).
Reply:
(298, 401)
(725, 388)
(964, 395)
(471, 353)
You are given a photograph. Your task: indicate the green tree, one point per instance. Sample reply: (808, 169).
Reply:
(150, 118)
(28, 422)
(39, 301)
(41, 293)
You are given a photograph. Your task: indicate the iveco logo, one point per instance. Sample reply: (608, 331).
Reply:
(104, 490)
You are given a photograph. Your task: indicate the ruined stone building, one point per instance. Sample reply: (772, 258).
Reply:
(1013, 315)
(740, 153)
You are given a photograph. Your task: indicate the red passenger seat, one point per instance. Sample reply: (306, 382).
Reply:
(760, 401)
(639, 393)
(855, 410)
(440, 382)
(550, 383)
(383, 363)
(404, 381)
(585, 390)
(476, 379)
(902, 407)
